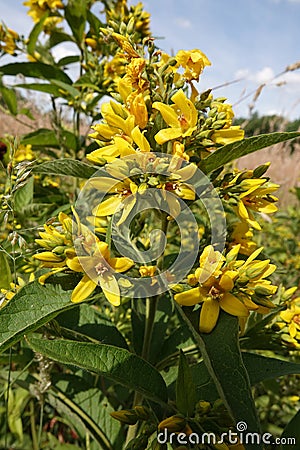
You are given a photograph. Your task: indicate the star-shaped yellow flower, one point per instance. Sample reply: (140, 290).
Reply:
(181, 117)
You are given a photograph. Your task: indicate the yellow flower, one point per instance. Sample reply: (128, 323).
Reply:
(23, 153)
(214, 291)
(37, 8)
(291, 318)
(114, 69)
(181, 117)
(193, 61)
(98, 267)
(7, 294)
(122, 196)
(134, 74)
(242, 235)
(9, 38)
(232, 285)
(256, 197)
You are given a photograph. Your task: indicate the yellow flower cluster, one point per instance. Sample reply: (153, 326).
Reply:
(187, 123)
(137, 175)
(37, 9)
(227, 283)
(289, 324)
(8, 40)
(23, 153)
(86, 254)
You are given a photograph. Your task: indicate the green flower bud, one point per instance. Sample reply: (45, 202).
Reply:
(127, 416)
(173, 423)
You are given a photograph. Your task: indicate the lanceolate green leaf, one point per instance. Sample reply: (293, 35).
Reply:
(35, 32)
(6, 277)
(33, 306)
(10, 99)
(48, 138)
(41, 87)
(222, 357)
(75, 14)
(259, 368)
(185, 388)
(35, 70)
(117, 364)
(230, 152)
(68, 167)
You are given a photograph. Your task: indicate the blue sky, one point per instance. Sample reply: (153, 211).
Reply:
(249, 40)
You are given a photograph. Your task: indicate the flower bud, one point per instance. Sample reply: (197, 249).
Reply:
(173, 423)
(127, 416)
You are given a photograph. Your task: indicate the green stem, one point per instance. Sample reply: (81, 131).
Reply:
(151, 307)
(35, 444)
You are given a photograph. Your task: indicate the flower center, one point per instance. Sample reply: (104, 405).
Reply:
(296, 319)
(183, 122)
(101, 268)
(215, 293)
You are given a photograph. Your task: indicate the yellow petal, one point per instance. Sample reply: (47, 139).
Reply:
(120, 264)
(104, 184)
(108, 207)
(48, 257)
(168, 113)
(110, 289)
(242, 210)
(74, 264)
(83, 289)
(128, 203)
(232, 305)
(209, 315)
(167, 134)
(124, 147)
(226, 282)
(140, 140)
(189, 298)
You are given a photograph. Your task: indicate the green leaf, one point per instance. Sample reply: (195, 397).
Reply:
(66, 87)
(86, 320)
(66, 60)
(75, 14)
(222, 357)
(116, 364)
(40, 138)
(57, 37)
(35, 32)
(185, 388)
(48, 138)
(31, 307)
(6, 277)
(67, 167)
(24, 196)
(86, 400)
(291, 431)
(36, 70)
(230, 152)
(10, 99)
(41, 87)
(259, 368)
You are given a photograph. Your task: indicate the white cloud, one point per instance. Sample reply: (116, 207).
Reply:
(182, 22)
(262, 76)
